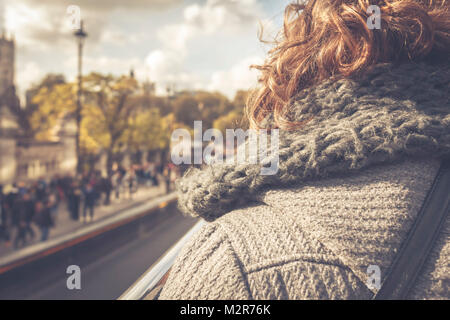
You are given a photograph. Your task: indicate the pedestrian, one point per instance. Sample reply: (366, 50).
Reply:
(153, 173)
(9, 199)
(19, 217)
(43, 218)
(53, 202)
(89, 203)
(73, 200)
(107, 187)
(28, 205)
(116, 181)
(131, 182)
(4, 231)
(167, 178)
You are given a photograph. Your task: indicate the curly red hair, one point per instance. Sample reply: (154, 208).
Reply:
(331, 38)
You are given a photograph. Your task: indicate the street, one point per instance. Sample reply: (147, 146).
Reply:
(109, 265)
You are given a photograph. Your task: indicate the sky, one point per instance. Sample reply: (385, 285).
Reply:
(189, 44)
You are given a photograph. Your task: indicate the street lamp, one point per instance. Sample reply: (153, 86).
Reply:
(80, 35)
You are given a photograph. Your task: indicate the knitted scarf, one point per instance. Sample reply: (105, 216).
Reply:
(390, 114)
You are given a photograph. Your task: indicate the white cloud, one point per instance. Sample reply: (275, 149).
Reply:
(214, 17)
(166, 67)
(42, 33)
(28, 75)
(107, 65)
(240, 76)
(108, 5)
(23, 21)
(164, 62)
(44, 25)
(114, 37)
(120, 38)
(175, 37)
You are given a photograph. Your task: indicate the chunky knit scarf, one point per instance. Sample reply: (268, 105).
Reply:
(390, 114)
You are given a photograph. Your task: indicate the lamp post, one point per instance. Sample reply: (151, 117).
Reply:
(80, 35)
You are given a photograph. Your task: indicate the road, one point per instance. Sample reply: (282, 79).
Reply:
(109, 265)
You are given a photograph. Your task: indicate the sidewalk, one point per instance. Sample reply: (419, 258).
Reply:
(65, 225)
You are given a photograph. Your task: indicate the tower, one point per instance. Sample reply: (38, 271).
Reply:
(8, 135)
(8, 123)
(7, 48)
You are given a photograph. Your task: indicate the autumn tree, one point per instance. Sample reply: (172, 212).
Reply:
(235, 118)
(48, 102)
(212, 106)
(200, 105)
(110, 122)
(120, 118)
(106, 112)
(186, 109)
(24, 112)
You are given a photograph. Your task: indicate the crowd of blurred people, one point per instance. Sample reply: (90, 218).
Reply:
(37, 203)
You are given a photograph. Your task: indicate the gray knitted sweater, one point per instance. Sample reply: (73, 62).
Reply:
(349, 186)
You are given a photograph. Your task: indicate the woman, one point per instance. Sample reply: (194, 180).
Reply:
(364, 125)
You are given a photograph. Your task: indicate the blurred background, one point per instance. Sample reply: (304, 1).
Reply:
(90, 92)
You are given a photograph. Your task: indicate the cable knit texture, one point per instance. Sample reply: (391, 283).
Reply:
(349, 186)
(389, 115)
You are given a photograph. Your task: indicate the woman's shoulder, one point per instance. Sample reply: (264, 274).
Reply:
(333, 227)
(206, 268)
(236, 256)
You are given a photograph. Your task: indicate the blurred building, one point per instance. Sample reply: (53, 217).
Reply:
(22, 158)
(6, 63)
(149, 88)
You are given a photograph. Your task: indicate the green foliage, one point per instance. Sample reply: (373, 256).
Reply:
(117, 117)
(107, 109)
(232, 120)
(236, 118)
(114, 117)
(201, 105)
(147, 131)
(52, 102)
(186, 109)
(212, 106)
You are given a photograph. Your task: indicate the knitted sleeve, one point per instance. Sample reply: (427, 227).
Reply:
(210, 268)
(206, 269)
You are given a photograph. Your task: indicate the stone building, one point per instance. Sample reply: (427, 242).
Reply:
(6, 63)
(25, 159)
